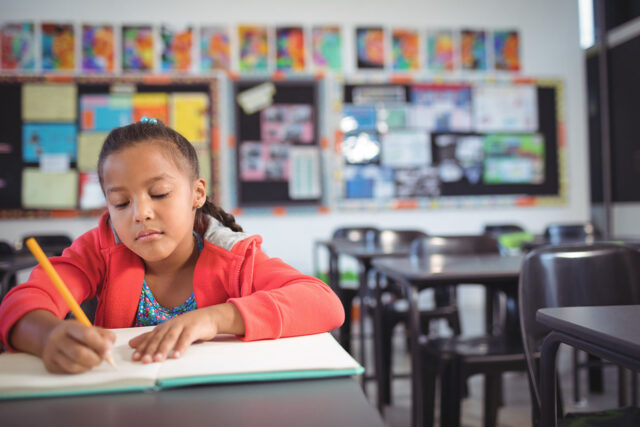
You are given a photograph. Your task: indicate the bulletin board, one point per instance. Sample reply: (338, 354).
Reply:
(52, 129)
(460, 144)
(277, 149)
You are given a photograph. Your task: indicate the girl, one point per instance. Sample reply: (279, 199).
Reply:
(163, 254)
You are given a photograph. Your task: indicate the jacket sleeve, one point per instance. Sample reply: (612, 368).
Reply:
(81, 267)
(279, 301)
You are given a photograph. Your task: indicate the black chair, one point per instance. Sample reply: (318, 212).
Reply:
(51, 244)
(574, 275)
(496, 230)
(358, 234)
(563, 233)
(6, 250)
(571, 233)
(455, 359)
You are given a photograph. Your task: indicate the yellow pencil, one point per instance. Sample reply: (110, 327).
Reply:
(36, 250)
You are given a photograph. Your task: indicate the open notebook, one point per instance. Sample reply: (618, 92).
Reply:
(224, 359)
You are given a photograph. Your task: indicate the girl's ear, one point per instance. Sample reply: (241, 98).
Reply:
(199, 192)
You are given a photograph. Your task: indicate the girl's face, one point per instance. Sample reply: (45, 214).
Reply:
(151, 201)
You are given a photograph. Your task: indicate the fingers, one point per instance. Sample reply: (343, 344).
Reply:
(163, 341)
(74, 348)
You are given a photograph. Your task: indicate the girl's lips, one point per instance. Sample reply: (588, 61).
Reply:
(147, 237)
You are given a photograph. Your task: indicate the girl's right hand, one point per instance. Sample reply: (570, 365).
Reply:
(72, 347)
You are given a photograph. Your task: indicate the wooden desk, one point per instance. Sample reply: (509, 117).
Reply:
(414, 274)
(609, 332)
(321, 403)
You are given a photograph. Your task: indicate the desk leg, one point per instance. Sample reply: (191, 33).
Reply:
(381, 359)
(417, 411)
(548, 401)
(364, 279)
(334, 283)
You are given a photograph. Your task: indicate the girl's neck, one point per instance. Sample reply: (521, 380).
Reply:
(184, 257)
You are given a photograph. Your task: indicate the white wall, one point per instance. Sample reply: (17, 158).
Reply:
(549, 48)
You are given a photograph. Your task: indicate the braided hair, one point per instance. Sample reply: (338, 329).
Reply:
(181, 151)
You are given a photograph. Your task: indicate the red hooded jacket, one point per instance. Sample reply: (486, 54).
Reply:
(275, 299)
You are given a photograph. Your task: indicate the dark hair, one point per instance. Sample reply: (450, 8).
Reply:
(181, 151)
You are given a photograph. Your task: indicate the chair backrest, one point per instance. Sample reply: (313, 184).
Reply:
(455, 245)
(573, 275)
(356, 234)
(6, 248)
(568, 233)
(56, 242)
(398, 239)
(498, 229)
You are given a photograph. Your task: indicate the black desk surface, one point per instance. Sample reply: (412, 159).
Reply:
(612, 327)
(452, 269)
(321, 403)
(364, 251)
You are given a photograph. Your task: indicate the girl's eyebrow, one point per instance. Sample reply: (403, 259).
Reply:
(147, 182)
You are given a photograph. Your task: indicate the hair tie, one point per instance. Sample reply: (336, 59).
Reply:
(145, 119)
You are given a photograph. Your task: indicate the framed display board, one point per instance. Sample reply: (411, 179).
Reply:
(52, 129)
(432, 144)
(277, 149)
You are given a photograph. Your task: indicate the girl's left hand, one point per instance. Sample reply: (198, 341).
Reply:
(173, 337)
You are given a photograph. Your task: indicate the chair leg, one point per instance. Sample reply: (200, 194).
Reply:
(576, 374)
(427, 403)
(450, 394)
(596, 383)
(345, 329)
(387, 355)
(492, 386)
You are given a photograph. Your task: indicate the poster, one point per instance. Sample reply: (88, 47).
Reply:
(358, 117)
(326, 48)
(215, 51)
(290, 49)
(49, 102)
(304, 180)
(47, 190)
(97, 48)
(506, 49)
(137, 48)
(177, 45)
(441, 107)
(18, 47)
(513, 159)
(405, 148)
(58, 47)
(292, 123)
(361, 148)
(404, 49)
(440, 50)
(254, 48)
(155, 105)
(189, 114)
(473, 50)
(370, 52)
(105, 112)
(368, 182)
(505, 108)
(417, 182)
(90, 193)
(458, 157)
(39, 139)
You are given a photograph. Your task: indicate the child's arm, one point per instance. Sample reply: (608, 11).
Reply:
(176, 335)
(65, 346)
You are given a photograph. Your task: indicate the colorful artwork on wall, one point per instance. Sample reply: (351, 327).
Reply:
(215, 52)
(253, 42)
(404, 49)
(18, 47)
(137, 48)
(370, 48)
(97, 48)
(290, 50)
(177, 45)
(327, 48)
(58, 52)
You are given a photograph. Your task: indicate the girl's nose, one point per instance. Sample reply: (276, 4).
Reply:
(142, 210)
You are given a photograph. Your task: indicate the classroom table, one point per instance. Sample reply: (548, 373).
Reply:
(413, 274)
(363, 253)
(609, 332)
(317, 402)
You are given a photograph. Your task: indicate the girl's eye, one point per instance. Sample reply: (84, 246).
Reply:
(122, 205)
(159, 196)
